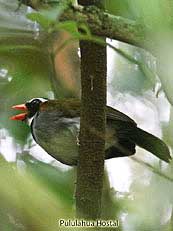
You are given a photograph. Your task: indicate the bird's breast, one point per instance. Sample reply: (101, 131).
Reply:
(58, 136)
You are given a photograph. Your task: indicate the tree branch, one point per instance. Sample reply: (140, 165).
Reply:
(107, 25)
(104, 24)
(152, 168)
(92, 130)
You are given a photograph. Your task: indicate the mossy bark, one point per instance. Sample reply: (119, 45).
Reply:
(92, 130)
(104, 24)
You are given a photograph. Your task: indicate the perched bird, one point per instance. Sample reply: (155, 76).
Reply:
(55, 127)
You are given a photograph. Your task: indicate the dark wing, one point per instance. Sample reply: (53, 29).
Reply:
(119, 125)
(113, 114)
(128, 133)
(71, 108)
(64, 107)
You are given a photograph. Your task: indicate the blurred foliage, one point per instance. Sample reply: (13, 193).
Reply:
(25, 67)
(118, 7)
(156, 18)
(33, 194)
(151, 205)
(168, 129)
(129, 77)
(157, 13)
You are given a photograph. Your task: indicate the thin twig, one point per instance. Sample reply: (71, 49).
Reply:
(143, 68)
(152, 168)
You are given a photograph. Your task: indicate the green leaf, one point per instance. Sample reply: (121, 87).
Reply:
(69, 26)
(46, 17)
(85, 28)
(41, 19)
(58, 181)
(30, 200)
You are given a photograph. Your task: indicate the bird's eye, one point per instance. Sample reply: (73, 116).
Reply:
(33, 106)
(35, 101)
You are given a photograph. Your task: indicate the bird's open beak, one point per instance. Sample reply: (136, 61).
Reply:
(21, 116)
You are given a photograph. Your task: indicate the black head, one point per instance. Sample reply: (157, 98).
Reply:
(33, 106)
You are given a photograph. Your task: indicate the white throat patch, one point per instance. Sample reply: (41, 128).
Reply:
(29, 120)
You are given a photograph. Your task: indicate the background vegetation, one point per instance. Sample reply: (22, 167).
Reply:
(36, 190)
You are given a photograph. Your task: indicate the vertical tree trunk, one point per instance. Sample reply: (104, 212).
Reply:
(92, 129)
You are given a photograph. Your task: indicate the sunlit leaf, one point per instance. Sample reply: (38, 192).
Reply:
(41, 19)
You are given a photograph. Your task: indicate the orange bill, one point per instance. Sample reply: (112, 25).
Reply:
(21, 116)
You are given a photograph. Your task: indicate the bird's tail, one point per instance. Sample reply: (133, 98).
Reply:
(151, 143)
